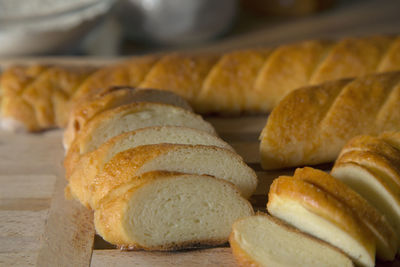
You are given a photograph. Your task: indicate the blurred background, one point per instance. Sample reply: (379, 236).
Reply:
(108, 28)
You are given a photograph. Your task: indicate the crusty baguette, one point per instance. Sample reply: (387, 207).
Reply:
(318, 213)
(385, 237)
(127, 118)
(112, 97)
(197, 159)
(263, 241)
(80, 172)
(370, 165)
(252, 80)
(170, 211)
(312, 124)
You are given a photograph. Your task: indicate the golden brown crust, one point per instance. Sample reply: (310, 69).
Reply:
(182, 74)
(312, 124)
(110, 98)
(109, 217)
(81, 145)
(322, 204)
(241, 257)
(249, 80)
(244, 259)
(371, 218)
(121, 169)
(38, 96)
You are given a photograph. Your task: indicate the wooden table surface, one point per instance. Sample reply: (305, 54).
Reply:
(38, 227)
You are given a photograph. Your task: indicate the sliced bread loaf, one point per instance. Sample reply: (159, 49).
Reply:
(265, 241)
(318, 213)
(170, 211)
(80, 171)
(110, 98)
(131, 117)
(371, 166)
(195, 159)
(385, 236)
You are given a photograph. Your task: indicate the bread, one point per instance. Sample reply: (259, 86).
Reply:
(81, 171)
(170, 211)
(312, 124)
(195, 159)
(385, 237)
(110, 98)
(370, 165)
(263, 240)
(318, 213)
(252, 80)
(130, 117)
(34, 98)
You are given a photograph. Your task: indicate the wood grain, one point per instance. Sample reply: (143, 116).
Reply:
(213, 257)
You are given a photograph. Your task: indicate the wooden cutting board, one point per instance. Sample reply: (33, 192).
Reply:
(38, 227)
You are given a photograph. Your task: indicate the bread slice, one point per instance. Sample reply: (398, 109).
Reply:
(113, 97)
(385, 237)
(263, 240)
(319, 214)
(373, 187)
(171, 211)
(92, 163)
(132, 117)
(195, 159)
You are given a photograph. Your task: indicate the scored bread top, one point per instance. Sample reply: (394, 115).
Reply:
(312, 124)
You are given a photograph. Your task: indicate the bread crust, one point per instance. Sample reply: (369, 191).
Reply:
(367, 214)
(112, 97)
(108, 217)
(244, 259)
(81, 143)
(324, 205)
(262, 77)
(124, 166)
(312, 124)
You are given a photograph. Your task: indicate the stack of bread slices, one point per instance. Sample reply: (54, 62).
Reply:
(332, 219)
(155, 174)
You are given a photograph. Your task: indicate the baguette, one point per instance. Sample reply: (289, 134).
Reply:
(110, 98)
(312, 124)
(170, 211)
(318, 213)
(370, 165)
(263, 240)
(81, 173)
(252, 80)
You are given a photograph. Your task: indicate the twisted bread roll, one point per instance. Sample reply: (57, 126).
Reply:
(248, 80)
(370, 165)
(312, 124)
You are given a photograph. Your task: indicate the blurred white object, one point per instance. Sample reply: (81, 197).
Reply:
(30, 27)
(176, 21)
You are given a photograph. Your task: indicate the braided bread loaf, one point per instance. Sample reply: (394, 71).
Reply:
(312, 124)
(248, 80)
